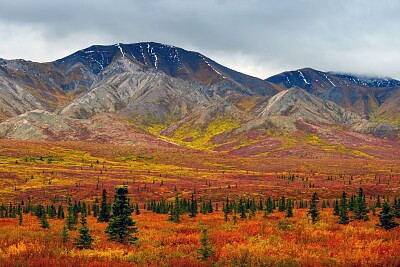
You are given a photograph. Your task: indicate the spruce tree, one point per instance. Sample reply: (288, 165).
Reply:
(378, 202)
(360, 208)
(242, 210)
(289, 210)
(60, 212)
(269, 207)
(84, 240)
(313, 211)
(121, 225)
(175, 211)
(193, 207)
(39, 211)
(72, 219)
(386, 217)
(137, 211)
(336, 208)
(104, 215)
(95, 208)
(282, 205)
(20, 218)
(209, 207)
(43, 221)
(206, 250)
(344, 213)
(65, 234)
(52, 211)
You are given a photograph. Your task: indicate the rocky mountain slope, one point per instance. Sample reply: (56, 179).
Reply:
(27, 86)
(362, 95)
(141, 93)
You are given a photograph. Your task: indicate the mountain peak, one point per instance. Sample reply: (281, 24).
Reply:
(173, 61)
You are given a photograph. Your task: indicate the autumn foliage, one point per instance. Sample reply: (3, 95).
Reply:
(194, 209)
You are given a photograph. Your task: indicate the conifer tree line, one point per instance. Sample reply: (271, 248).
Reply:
(243, 207)
(121, 226)
(347, 208)
(357, 206)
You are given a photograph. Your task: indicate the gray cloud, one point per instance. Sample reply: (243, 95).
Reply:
(256, 37)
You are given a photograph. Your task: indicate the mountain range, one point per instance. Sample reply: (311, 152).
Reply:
(155, 94)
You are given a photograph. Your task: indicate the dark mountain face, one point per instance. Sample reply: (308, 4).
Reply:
(173, 61)
(318, 81)
(362, 95)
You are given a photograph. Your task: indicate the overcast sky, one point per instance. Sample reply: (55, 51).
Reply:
(260, 38)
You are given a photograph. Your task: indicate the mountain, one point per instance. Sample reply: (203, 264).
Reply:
(159, 95)
(51, 86)
(173, 61)
(362, 95)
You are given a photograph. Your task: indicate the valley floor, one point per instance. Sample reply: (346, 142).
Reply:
(45, 173)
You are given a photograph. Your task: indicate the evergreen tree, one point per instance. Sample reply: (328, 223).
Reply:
(253, 207)
(242, 210)
(260, 205)
(121, 226)
(20, 218)
(12, 211)
(19, 209)
(175, 211)
(95, 209)
(289, 210)
(344, 213)
(104, 215)
(193, 207)
(60, 212)
(378, 202)
(137, 211)
(282, 205)
(336, 208)
(209, 207)
(72, 219)
(52, 211)
(43, 221)
(39, 211)
(84, 240)
(65, 234)
(386, 217)
(270, 205)
(360, 208)
(313, 211)
(352, 203)
(206, 250)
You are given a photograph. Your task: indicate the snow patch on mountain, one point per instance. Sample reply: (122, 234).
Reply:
(120, 49)
(302, 76)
